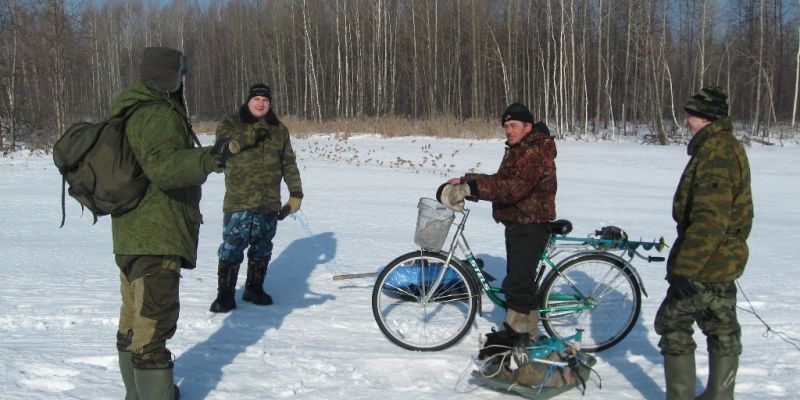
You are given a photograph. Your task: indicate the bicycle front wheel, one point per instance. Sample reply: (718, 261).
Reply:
(414, 314)
(595, 293)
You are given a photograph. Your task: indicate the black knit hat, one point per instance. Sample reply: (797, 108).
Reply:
(259, 89)
(162, 69)
(517, 112)
(710, 103)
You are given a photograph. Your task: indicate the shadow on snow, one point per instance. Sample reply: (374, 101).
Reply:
(199, 369)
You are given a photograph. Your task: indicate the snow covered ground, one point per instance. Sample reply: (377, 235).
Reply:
(59, 287)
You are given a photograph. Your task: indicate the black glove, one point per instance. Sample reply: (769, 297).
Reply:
(683, 286)
(224, 149)
(291, 206)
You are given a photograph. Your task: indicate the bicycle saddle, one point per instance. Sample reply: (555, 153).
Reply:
(560, 227)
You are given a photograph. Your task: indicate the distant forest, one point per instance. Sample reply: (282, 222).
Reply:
(584, 66)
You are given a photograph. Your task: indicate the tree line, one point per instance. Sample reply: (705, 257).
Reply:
(601, 67)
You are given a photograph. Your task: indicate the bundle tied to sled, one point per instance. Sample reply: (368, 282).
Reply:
(510, 361)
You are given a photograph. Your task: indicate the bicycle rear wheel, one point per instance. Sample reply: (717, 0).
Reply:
(606, 304)
(417, 316)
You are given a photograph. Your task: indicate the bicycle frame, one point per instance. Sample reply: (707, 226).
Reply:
(579, 246)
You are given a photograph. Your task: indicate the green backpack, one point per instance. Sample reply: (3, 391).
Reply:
(97, 162)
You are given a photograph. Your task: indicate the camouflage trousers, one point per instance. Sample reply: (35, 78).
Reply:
(712, 307)
(149, 286)
(247, 229)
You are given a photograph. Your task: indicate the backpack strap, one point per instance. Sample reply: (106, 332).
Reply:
(127, 112)
(63, 205)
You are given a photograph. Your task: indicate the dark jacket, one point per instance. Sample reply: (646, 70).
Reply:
(167, 220)
(253, 177)
(523, 190)
(713, 208)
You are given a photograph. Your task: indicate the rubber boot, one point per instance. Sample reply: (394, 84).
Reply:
(721, 378)
(126, 370)
(226, 287)
(518, 321)
(679, 373)
(156, 384)
(254, 286)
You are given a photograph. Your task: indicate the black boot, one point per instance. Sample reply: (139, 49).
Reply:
(254, 287)
(226, 287)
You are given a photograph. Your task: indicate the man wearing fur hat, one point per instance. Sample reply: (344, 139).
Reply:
(159, 237)
(252, 205)
(523, 196)
(713, 209)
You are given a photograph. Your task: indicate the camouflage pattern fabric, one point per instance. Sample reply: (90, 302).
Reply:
(247, 229)
(524, 188)
(150, 305)
(713, 307)
(167, 220)
(253, 177)
(710, 103)
(713, 208)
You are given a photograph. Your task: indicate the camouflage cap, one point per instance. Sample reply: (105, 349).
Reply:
(710, 103)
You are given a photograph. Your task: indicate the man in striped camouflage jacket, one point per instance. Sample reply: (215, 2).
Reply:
(713, 209)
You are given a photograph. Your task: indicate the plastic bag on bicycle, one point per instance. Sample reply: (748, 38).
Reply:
(413, 280)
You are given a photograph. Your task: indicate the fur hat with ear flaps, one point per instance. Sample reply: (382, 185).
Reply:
(162, 69)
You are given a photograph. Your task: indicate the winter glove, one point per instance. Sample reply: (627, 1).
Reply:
(291, 207)
(452, 196)
(683, 286)
(224, 149)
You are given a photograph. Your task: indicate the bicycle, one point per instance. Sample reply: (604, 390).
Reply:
(419, 304)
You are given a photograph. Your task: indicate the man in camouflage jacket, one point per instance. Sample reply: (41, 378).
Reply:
(159, 237)
(713, 209)
(252, 205)
(523, 193)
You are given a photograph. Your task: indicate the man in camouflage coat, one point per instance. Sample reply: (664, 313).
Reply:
(523, 193)
(252, 204)
(713, 209)
(159, 237)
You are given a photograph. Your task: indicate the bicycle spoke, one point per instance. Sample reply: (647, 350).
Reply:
(416, 315)
(607, 313)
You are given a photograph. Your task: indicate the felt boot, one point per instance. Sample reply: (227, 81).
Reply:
(226, 287)
(254, 286)
(518, 321)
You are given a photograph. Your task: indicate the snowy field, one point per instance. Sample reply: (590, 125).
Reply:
(59, 293)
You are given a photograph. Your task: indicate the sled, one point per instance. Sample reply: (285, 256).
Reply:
(541, 370)
(530, 392)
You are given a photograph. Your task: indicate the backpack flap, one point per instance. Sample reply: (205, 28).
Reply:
(97, 162)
